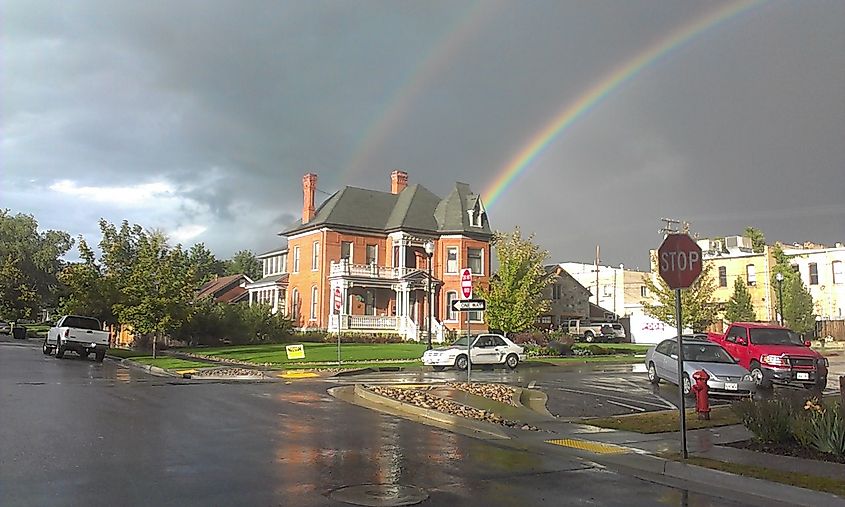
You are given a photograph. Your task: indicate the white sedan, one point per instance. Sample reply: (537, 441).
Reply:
(486, 349)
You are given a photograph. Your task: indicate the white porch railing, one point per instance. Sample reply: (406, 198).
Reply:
(401, 325)
(380, 322)
(344, 268)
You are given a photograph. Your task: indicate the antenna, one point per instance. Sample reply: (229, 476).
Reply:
(669, 228)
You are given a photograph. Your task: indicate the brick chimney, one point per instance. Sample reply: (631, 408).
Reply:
(309, 185)
(398, 181)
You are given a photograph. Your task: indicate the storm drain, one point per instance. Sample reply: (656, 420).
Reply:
(586, 445)
(379, 495)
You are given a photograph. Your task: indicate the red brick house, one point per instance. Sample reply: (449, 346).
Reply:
(369, 246)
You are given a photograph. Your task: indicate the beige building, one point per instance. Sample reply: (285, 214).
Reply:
(822, 270)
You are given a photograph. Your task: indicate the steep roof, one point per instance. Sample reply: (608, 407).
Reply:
(414, 209)
(224, 288)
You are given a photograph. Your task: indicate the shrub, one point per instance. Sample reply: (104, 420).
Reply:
(823, 427)
(561, 337)
(769, 420)
(560, 348)
(531, 337)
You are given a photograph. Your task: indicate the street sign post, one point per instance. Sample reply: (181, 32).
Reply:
(466, 292)
(337, 299)
(679, 264)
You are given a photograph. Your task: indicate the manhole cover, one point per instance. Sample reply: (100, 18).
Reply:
(379, 495)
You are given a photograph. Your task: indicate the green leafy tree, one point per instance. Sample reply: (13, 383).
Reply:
(515, 295)
(160, 288)
(205, 264)
(740, 308)
(758, 240)
(244, 262)
(697, 307)
(87, 292)
(29, 264)
(798, 311)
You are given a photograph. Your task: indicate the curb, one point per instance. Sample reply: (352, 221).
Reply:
(534, 400)
(433, 415)
(708, 478)
(153, 370)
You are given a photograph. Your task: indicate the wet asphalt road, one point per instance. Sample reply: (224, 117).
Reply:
(74, 432)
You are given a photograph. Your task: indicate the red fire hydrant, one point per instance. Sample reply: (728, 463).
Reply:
(702, 402)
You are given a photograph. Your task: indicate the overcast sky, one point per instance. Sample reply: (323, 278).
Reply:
(200, 117)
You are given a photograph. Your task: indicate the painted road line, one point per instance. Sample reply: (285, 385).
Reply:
(298, 374)
(626, 406)
(602, 395)
(587, 445)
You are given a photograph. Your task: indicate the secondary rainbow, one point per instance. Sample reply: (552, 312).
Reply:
(571, 112)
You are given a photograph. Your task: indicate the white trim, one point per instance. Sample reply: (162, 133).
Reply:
(306, 234)
(315, 307)
(482, 261)
(271, 254)
(457, 260)
(315, 255)
(297, 257)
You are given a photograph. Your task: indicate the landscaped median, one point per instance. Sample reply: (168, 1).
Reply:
(665, 421)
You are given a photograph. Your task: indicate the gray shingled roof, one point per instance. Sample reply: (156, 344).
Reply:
(414, 209)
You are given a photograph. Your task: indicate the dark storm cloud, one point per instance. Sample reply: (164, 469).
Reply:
(213, 110)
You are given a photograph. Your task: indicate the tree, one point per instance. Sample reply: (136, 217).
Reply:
(798, 311)
(29, 263)
(206, 265)
(87, 290)
(697, 308)
(758, 240)
(515, 295)
(739, 306)
(244, 262)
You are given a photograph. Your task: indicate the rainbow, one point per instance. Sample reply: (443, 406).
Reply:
(577, 109)
(439, 58)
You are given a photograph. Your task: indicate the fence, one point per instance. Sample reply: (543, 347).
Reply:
(833, 328)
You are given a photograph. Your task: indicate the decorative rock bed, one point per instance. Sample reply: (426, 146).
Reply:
(422, 398)
(496, 392)
(229, 372)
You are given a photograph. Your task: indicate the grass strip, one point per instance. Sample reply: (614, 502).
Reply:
(614, 358)
(125, 353)
(314, 352)
(825, 484)
(663, 421)
(170, 363)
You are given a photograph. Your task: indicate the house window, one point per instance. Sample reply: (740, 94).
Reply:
(643, 291)
(294, 303)
(751, 275)
(372, 252)
(315, 256)
(284, 263)
(556, 292)
(475, 259)
(814, 273)
(838, 272)
(723, 276)
(296, 259)
(452, 259)
(450, 314)
(313, 303)
(346, 251)
(266, 270)
(476, 316)
(369, 303)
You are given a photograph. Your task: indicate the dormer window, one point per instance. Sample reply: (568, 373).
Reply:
(476, 215)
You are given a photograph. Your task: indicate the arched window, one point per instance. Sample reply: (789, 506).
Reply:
(314, 303)
(294, 303)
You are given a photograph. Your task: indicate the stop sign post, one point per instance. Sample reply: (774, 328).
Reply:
(679, 264)
(337, 299)
(466, 292)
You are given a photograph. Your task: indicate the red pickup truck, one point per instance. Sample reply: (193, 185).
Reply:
(773, 354)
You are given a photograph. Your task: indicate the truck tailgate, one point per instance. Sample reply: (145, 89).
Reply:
(88, 336)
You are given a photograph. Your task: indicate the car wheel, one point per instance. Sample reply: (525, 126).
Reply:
(60, 351)
(687, 385)
(461, 362)
(46, 349)
(511, 361)
(759, 376)
(99, 356)
(652, 374)
(589, 337)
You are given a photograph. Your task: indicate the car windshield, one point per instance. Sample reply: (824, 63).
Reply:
(461, 342)
(765, 336)
(706, 354)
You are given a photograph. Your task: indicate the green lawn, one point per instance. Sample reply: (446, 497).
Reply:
(170, 363)
(615, 358)
(124, 353)
(625, 348)
(667, 420)
(315, 352)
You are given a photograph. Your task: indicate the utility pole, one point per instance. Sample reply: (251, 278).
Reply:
(597, 275)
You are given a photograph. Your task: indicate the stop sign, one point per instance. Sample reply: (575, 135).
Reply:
(466, 283)
(679, 261)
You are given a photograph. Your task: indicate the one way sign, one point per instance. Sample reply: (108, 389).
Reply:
(468, 305)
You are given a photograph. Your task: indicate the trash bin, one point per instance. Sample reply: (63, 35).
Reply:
(19, 333)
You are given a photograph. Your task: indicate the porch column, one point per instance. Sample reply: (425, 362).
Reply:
(275, 299)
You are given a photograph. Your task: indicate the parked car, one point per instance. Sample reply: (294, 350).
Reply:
(82, 335)
(5, 328)
(486, 349)
(774, 354)
(613, 331)
(726, 376)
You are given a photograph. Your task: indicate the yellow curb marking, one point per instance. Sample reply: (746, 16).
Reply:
(586, 445)
(298, 374)
(182, 372)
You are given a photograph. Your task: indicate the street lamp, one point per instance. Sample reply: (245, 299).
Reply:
(779, 278)
(429, 251)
